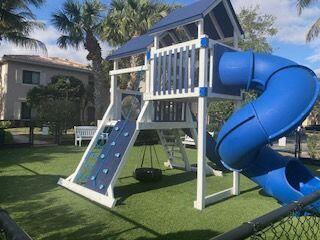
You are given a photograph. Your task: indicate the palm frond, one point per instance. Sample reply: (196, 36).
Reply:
(314, 31)
(129, 18)
(23, 41)
(301, 4)
(17, 22)
(64, 41)
(36, 3)
(62, 22)
(72, 9)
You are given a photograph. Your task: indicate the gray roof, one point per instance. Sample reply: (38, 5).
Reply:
(185, 16)
(134, 46)
(47, 61)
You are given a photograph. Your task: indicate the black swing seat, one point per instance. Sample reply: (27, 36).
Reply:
(145, 174)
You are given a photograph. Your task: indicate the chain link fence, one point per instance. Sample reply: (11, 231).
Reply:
(9, 230)
(297, 221)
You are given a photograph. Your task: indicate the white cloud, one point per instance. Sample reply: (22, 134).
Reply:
(49, 37)
(314, 58)
(292, 27)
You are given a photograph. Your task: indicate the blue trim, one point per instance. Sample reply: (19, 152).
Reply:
(203, 92)
(148, 55)
(204, 42)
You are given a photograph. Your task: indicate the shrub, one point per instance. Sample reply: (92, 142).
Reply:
(313, 146)
(5, 124)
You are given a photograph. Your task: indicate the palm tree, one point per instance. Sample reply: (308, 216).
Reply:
(81, 25)
(17, 22)
(314, 30)
(131, 18)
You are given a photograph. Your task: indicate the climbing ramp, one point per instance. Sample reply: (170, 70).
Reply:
(99, 171)
(111, 156)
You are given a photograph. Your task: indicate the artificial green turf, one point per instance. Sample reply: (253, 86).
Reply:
(162, 210)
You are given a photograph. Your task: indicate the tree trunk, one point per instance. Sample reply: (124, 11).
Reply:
(133, 83)
(101, 89)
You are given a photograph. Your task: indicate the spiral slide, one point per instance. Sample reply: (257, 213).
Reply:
(289, 92)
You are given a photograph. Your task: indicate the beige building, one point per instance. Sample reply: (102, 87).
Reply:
(20, 73)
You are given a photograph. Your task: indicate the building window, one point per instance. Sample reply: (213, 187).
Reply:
(30, 77)
(25, 111)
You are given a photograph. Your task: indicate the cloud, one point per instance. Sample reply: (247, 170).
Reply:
(292, 27)
(49, 37)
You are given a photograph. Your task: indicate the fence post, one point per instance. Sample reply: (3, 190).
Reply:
(31, 134)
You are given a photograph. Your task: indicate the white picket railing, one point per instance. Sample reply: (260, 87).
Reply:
(174, 69)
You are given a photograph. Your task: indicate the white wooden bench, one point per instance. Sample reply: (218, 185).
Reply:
(83, 133)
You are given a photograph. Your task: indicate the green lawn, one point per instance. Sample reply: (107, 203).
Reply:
(163, 210)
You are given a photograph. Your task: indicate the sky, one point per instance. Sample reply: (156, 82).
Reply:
(289, 42)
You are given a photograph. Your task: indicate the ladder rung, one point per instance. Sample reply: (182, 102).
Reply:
(171, 144)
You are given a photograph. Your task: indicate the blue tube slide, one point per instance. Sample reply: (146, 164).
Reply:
(289, 92)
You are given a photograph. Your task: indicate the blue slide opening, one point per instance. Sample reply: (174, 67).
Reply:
(297, 175)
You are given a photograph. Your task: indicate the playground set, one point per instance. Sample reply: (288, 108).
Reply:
(189, 61)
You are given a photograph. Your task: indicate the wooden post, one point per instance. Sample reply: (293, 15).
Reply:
(202, 113)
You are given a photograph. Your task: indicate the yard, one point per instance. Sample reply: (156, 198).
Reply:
(161, 210)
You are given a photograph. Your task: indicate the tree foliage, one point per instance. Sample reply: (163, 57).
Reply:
(131, 18)
(257, 29)
(58, 104)
(314, 30)
(219, 112)
(80, 24)
(17, 22)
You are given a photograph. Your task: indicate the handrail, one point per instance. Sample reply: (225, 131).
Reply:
(178, 46)
(128, 70)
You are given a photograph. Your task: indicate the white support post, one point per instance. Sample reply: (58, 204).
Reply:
(113, 89)
(202, 113)
(200, 28)
(157, 42)
(236, 175)
(146, 64)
